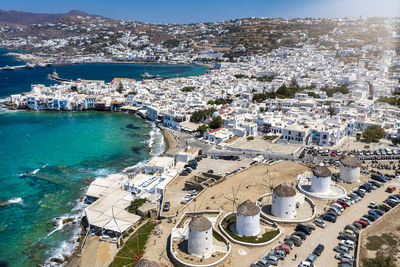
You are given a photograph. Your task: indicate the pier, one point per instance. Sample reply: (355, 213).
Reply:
(27, 65)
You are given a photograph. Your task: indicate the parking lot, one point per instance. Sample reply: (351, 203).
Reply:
(328, 236)
(221, 166)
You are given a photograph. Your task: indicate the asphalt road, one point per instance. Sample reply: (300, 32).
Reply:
(328, 236)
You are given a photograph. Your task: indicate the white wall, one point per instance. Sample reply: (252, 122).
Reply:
(248, 225)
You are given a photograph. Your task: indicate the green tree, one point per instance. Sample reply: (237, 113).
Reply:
(373, 133)
(331, 110)
(202, 128)
(120, 88)
(396, 141)
(216, 122)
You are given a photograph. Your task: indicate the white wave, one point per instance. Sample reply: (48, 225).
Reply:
(36, 171)
(15, 200)
(102, 172)
(64, 251)
(156, 141)
(135, 168)
(2, 100)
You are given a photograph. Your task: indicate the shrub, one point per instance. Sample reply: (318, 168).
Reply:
(373, 133)
(136, 204)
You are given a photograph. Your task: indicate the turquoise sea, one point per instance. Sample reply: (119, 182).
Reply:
(48, 158)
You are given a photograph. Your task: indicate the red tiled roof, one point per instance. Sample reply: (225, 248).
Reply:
(215, 130)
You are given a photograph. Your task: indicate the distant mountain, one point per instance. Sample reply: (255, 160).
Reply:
(28, 18)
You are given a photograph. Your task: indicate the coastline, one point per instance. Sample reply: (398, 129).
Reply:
(39, 60)
(74, 260)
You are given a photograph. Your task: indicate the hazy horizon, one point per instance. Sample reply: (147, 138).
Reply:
(177, 11)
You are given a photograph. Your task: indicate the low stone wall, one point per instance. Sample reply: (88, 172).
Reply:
(290, 221)
(245, 243)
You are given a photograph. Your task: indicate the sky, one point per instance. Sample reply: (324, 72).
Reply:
(186, 11)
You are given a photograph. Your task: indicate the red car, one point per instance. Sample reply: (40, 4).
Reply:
(333, 153)
(285, 248)
(342, 204)
(391, 189)
(363, 223)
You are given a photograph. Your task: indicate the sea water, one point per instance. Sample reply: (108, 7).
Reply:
(47, 159)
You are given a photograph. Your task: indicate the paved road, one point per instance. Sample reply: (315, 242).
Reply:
(328, 236)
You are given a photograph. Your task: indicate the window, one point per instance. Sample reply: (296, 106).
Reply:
(286, 212)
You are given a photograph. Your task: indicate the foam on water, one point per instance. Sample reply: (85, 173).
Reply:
(15, 200)
(156, 141)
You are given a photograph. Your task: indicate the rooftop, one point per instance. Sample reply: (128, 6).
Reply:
(200, 224)
(284, 190)
(248, 208)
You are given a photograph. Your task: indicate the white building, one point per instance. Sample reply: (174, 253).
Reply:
(321, 179)
(350, 169)
(159, 164)
(200, 237)
(248, 219)
(284, 201)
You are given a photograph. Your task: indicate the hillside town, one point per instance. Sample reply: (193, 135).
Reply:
(270, 155)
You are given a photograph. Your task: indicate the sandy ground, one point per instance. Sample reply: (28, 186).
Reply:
(352, 144)
(251, 187)
(169, 139)
(96, 253)
(384, 225)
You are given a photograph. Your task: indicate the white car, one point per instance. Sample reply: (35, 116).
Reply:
(319, 222)
(341, 256)
(347, 243)
(306, 264)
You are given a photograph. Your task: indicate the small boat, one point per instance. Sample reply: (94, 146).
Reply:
(147, 75)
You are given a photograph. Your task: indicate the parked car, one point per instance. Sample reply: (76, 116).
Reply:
(363, 223)
(370, 217)
(318, 250)
(347, 243)
(378, 211)
(345, 236)
(384, 207)
(297, 240)
(341, 249)
(306, 264)
(391, 189)
(284, 248)
(319, 222)
(372, 205)
(358, 225)
(341, 256)
(309, 225)
(328, 218)
(300, 234)
(360, 193)
(280, 254)
(289, 243)
(303, 229)
(166, 206)
(353, 228)
(311, 258)
(366, 220)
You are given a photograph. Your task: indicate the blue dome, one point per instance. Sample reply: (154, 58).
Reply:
(215, 114)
